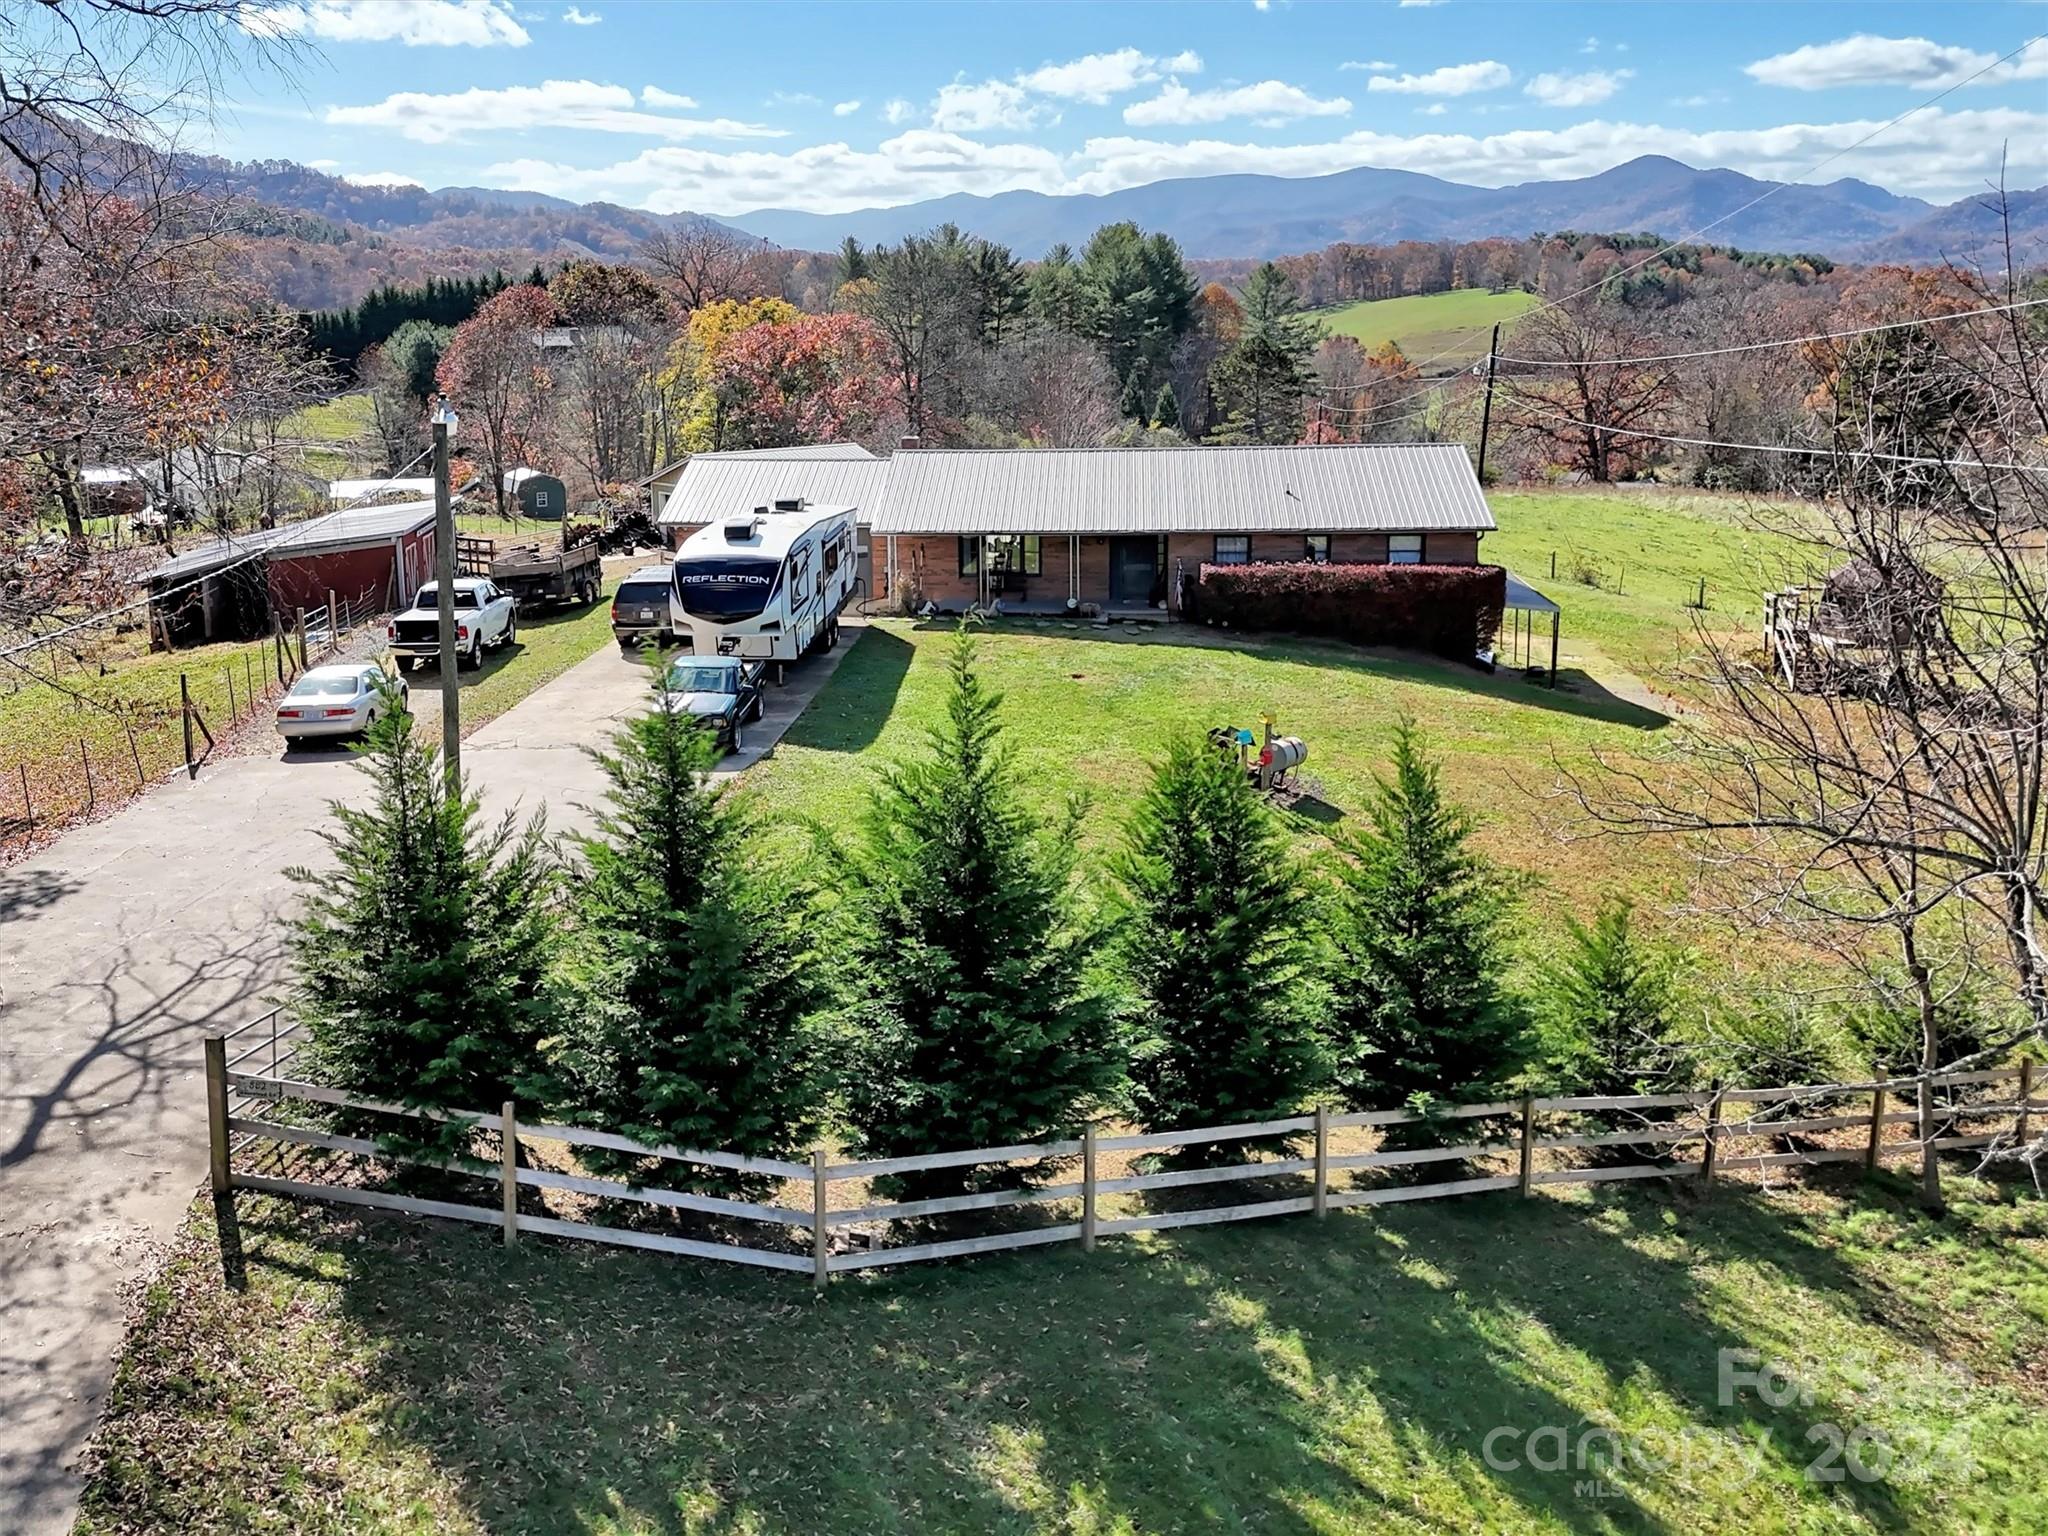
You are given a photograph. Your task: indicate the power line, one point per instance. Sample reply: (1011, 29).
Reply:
(1759, 346)
(1854, 453)
(260, 551)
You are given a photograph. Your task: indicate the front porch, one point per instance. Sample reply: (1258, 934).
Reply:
(1037, 575)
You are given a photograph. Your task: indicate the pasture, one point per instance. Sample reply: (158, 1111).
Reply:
(1425, 324)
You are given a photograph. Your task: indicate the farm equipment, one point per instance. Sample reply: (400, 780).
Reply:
(1275, 762)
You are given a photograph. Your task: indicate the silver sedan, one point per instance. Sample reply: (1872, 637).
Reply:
(344, 700)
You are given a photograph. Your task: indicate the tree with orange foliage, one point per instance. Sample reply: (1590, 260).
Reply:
(812, 379)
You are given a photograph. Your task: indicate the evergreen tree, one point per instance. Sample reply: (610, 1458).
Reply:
(1609, 1014)
(1216, 946)
(688, 962)
(1052, 292)
(415, 350)
(419, 963)
(1261, 382)
(1137, 300)
(1419, 1006)
(1166, 408)
(977, 1024)
(853, 261)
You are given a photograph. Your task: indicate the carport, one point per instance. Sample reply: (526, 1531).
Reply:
(1524, 612)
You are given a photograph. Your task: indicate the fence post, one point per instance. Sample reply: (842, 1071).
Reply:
(185, 712)
(1321, 1160)
(249, 677)
(508, 1158)
(217, 1113)
(234, 708)
(135, 752)
(302, 639)
(1712, 1154)
(1875, 1150)
(1088, 1188)
(819, 1245)
(1528, 1168)
(334, 627)
(2026, 1098)
(85, 761)
(277, 644)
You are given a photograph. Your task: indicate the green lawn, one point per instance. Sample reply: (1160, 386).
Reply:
(379, 1374)
(341, 419)
(1426, 324)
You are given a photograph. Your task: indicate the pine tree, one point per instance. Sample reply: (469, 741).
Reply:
(1166, 408)
(419, 963)
(689, 962)
(1609, 1008)
(1420, 1009)
(1216, 946)
(1261, 383)
(977, 1022)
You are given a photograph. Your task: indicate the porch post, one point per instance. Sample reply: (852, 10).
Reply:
(1074, 571)
(1553, 648)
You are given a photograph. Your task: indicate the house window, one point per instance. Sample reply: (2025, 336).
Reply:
(1019, 554)
(1404, 549)
(1318, 548)
(1233, 549)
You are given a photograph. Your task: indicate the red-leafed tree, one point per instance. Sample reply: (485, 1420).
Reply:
(496, 374)
(817, 378)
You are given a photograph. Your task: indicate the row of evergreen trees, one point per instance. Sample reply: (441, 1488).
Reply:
(940, 979)
(346, 334)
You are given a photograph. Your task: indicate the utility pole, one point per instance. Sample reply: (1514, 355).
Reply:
(444, 592)
(1486, 415)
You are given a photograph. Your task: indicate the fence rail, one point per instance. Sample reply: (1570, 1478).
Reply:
(805, 1215)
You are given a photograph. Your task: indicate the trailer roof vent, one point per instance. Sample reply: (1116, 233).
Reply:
(791, 504)
(739, 529)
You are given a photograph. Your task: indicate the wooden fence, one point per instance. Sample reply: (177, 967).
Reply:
(1692, 1135)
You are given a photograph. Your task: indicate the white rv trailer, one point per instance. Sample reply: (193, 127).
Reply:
(768, 584)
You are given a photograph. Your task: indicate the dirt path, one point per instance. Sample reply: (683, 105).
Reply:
(121, 947)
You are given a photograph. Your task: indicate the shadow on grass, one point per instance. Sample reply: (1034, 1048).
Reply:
(851, 710)
(1577, 694)
(1288, 1377)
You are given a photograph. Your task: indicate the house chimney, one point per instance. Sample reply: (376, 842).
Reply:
(910, 440)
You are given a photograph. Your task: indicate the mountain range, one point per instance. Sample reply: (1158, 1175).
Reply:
(394, 229)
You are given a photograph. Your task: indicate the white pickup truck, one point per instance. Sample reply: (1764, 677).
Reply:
(485, 618)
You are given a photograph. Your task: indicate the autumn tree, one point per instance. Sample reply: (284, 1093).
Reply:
(809, 379)
(697, 409)
(1578, 398)
(610, 381)
(704, 262)
(498, 378)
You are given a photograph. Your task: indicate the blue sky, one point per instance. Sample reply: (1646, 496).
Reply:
(721, 108)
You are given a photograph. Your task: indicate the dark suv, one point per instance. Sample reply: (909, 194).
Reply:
(640, 610)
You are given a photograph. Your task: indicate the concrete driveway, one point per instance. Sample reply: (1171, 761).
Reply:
(126, 943)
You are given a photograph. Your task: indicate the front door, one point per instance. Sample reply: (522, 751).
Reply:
(1133, 571)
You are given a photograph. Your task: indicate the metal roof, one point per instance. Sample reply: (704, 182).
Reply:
(800, 451)
(716, 486)
(1390, 487)
(1525, 597)
(335, 530)
(357, 490)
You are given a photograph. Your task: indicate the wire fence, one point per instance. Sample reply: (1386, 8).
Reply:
(79, 741)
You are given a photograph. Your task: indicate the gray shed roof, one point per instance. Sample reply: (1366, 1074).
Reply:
(336, 530)
(800, 451)
(1393, 487)
(715, 485)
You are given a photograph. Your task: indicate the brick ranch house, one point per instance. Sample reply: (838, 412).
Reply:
(1109, 530)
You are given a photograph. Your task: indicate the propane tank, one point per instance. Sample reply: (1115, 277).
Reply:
(1282, 755)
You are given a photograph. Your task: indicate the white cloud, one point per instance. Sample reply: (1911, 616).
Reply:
(1270, 101)
(962, 108)
(845, 108)
(1589, 89)
(322, 165)
(417, 23)
(1935, 153)
(1915, 61)
(577, 18)
(437, 119)
(1451, 80)
(1590, 45)
(792, 99)
(897, 112)
(1267, 5)
(1703, 99)
(381, 179)
(1411, 5)
(1375, 65)
(655, 96)
(1434, 109)
(1096, 77)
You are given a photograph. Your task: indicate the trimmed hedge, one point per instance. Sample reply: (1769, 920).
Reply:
(1452, 610)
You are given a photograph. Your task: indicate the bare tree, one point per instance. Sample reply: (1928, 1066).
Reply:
(1578, 403)
(703, 262)
(1883, 765)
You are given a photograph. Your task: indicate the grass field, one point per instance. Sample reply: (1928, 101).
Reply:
(379, 1374)
(1426, 324)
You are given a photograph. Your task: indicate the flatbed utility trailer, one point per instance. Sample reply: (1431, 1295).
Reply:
(536, 574)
